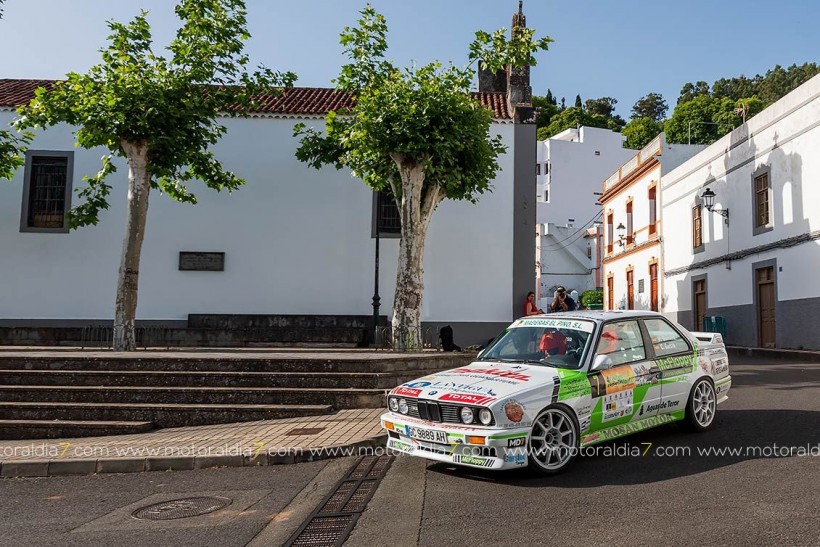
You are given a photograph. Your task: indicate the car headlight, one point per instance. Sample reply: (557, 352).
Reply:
(467, 415)
(393, 403)
(402, 406)
(485, 416)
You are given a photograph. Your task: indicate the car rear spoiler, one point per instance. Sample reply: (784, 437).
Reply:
(709, 337)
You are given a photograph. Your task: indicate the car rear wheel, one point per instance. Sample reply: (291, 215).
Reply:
(702, 406)
(553, 442)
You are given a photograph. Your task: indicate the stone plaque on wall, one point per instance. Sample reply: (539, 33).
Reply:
(190, 261)
(640, 285)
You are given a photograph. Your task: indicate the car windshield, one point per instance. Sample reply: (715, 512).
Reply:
(559, 343)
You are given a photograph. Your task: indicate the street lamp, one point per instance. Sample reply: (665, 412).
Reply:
(709, 202)
(621, 231)
(373, 338)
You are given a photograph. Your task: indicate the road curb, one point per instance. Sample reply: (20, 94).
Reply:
(780, 354)
(91, 466)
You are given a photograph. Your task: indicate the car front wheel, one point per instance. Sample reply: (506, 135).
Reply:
(553, 442)
(702, 405)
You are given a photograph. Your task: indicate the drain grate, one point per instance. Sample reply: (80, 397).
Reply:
(324, 532)
(182, 508)
(335, 517)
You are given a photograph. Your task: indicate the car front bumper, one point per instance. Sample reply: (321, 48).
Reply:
(482, 447)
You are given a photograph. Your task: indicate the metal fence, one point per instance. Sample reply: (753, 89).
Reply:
(401, 339)
(102, 336)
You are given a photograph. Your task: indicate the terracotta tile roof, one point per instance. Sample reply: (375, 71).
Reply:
(305, 101)
(14, 93)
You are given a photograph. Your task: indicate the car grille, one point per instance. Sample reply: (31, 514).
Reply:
(437, 412)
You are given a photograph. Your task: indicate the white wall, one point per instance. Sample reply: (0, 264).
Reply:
(297, 241)
(785, 137)
(563, 260)
(623, 258)
(576, 172)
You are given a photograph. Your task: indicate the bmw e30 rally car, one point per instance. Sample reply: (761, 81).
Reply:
(551, 384)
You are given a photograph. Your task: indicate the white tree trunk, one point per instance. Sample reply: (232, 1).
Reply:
(139, 185)
(415, 208)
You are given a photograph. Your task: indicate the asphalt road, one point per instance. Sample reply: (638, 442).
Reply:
(655, 487)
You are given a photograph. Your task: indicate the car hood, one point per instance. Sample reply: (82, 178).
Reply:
(480, 383)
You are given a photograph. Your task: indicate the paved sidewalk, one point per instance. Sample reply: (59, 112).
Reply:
(268, 442)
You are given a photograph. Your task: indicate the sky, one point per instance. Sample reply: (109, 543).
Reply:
(617, 48)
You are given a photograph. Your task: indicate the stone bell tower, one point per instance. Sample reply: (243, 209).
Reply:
(519, 90)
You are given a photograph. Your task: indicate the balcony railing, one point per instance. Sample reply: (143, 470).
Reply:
(654, 148)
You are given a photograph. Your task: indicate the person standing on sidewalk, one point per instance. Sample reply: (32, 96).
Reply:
(562, 301)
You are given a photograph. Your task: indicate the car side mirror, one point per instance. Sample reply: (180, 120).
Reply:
(601, 362)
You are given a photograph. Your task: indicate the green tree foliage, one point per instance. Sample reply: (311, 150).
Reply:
(572, 117)
(769, 87)
(418, 132)
(578, 103)
(640, 131)
(690, 91)
(550, 99)
(708, 115)
(652, 106)
(701, 120)
(592, 299)
(160, 113)
(546, 109)
(604, 106)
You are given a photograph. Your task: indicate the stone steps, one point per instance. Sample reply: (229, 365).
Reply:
(161, 415)
(238, 397)
(172, 378)
(235, 362)
(175, 389)
(55, 429)
(190, 337)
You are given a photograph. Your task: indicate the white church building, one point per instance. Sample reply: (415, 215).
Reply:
(293, 240)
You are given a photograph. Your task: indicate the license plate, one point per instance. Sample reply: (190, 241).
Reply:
(430, 435)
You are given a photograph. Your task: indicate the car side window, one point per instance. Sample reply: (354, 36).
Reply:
(665, 339)
(622, 343)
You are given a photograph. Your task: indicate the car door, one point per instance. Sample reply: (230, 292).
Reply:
(623, 385)
(674, 358)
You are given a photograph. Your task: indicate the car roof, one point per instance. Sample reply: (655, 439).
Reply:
(600, 316)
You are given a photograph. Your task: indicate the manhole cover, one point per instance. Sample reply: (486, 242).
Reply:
(181, 509)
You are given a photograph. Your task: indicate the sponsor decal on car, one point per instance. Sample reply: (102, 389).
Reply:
(678, 362)
(398, 445)
(518, 441)
(617, 405)
(514, 411)
(611, 381)
(466, 398)
(572, 384)
(629, 427)
(584, 326)
(722, 388)
(472, 460)
(517, 459)
(493, 373)
(453, 387)
(665, 405)
(406, 391)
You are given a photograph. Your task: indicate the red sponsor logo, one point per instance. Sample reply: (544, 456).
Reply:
(494, 372)
(407, 392)
(466, 398)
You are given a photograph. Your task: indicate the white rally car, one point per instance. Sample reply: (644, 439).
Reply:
(554, 383)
